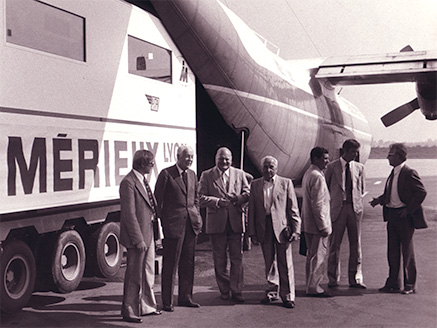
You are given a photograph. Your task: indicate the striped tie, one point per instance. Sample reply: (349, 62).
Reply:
(151, 199)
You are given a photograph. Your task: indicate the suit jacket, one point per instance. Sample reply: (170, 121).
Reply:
(177, 203)
(412, 193)
(136, 212)
(316, 202)
(284, 210)
(211, 189)
(333, 175)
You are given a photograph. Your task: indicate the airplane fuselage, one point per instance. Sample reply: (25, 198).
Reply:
(284, 109)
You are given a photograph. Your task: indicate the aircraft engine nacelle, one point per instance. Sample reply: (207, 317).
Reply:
(426, 90)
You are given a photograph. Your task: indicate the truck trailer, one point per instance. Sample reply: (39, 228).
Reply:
(82, 87)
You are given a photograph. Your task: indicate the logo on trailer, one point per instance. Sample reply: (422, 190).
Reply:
(184, 73)
(186, 77)
(154, 102)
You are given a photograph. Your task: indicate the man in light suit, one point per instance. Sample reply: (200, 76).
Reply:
(224, 190)
(178, 207)
(274, 222)
(138, 209)
(316, 221)
(346, 182)
(402, 209)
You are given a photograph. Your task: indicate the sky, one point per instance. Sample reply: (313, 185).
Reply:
(335, 28)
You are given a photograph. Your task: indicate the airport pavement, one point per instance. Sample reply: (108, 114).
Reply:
(97, 301)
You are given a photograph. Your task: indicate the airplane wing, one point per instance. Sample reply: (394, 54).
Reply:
(405, 66)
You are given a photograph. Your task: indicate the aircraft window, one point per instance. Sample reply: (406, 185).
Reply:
(149, 60)
(39, 26)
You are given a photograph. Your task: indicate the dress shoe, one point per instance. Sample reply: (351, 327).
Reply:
(288, 304)
(388, 289)
(224, 296)
(189, 304)
(132, 319)
(322, 295)
(408, 290)
(128, 315)
(168, 308)
(238, 298)
(157, 312)
(359, 286)
(333, 285)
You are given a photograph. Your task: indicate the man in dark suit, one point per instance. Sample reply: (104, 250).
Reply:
(178, 208)
(274, 222)
(138, 210)
(402, 209)
(224, 190)
(346, 182)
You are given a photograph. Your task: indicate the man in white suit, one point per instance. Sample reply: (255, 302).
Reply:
(274, 222)
(346, 182)
(224, 190)
(316, 221)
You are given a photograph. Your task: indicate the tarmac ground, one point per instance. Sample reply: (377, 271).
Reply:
(97, 302)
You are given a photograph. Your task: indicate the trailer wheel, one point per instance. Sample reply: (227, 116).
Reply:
(17, 267)
(68, 262)
(105, 252)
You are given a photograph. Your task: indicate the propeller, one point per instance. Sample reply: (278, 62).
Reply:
(400, 112)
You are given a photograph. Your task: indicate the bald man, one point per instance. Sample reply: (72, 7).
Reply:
(224, 190)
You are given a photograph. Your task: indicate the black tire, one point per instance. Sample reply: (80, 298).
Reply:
(17, 267)
(105, 250)
(68, 261)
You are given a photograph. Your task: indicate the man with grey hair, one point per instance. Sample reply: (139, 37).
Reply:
(138, 210)
(224, 190)
(402, 209)
(176, 192)
(274, 221)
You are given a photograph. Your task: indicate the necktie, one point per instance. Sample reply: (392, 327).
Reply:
(225, 181)
(389, 187)
(184, 178)
(151, 199)
(348, 184)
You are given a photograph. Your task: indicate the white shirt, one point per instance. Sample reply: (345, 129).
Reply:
(395, 201)
(225, 177)
(141, 178)
(268, 195)
(180, 170)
